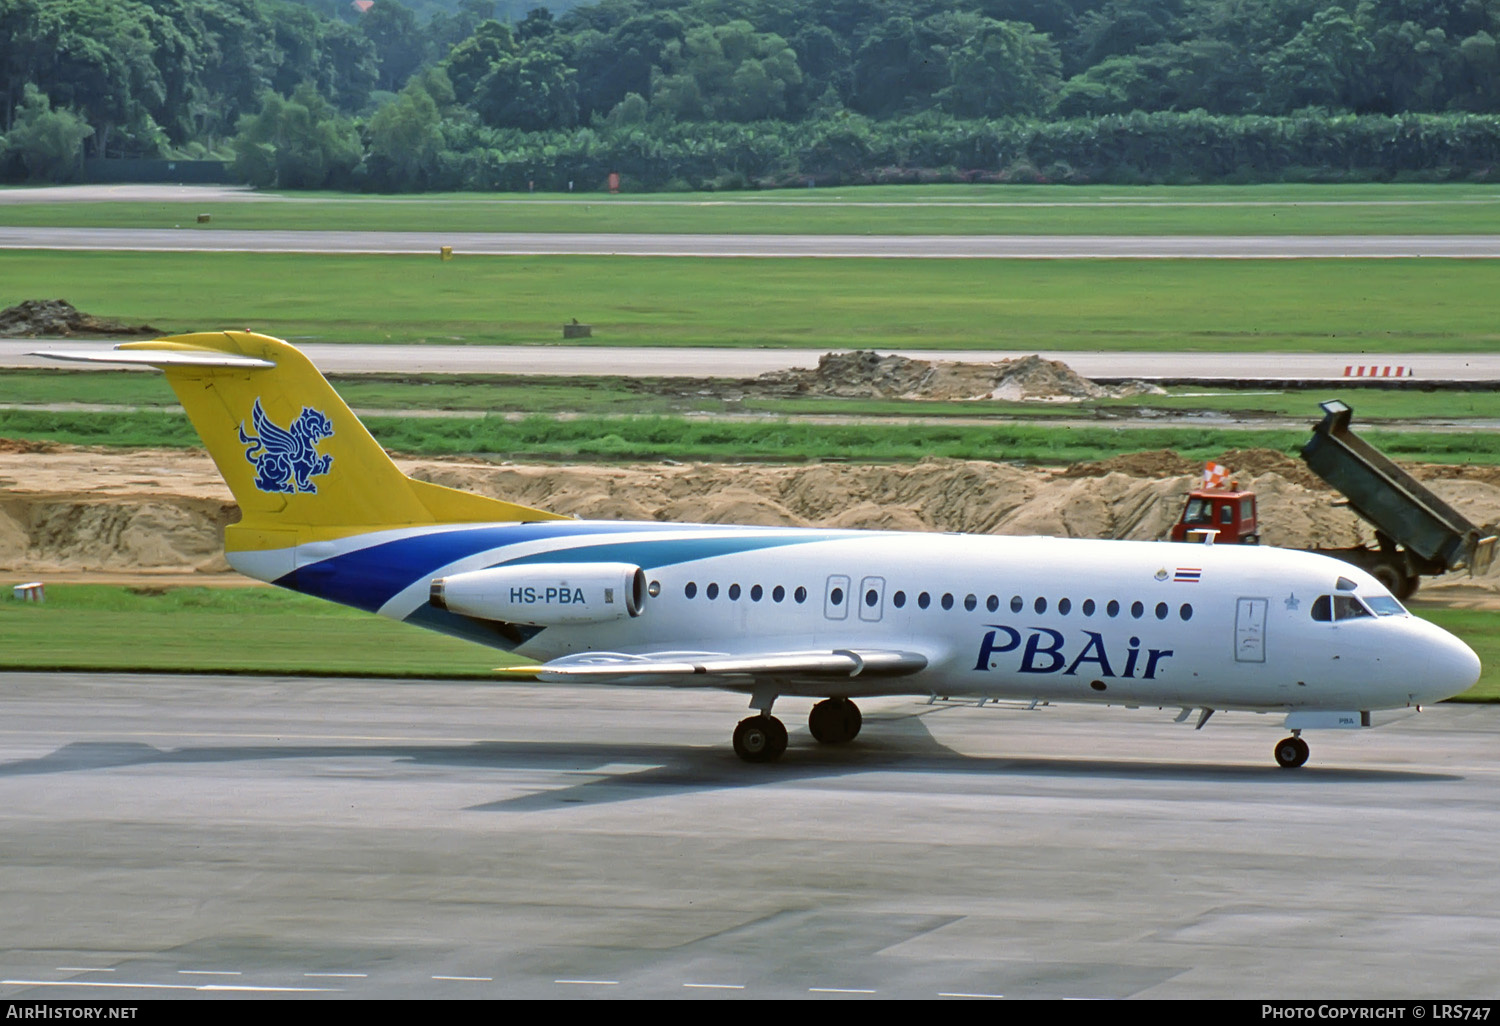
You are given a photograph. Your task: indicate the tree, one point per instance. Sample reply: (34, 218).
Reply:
(48, 142)
(472, 59)
(405, 140)
(996, 68)
(297, 143)
(532, 90)
(392, 28)
(1324, 65)
(726, 73)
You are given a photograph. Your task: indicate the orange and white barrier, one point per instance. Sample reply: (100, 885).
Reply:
(1355, 370)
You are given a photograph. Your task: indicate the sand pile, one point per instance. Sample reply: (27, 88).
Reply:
(869, 375)
(66, 509)
(57, 318)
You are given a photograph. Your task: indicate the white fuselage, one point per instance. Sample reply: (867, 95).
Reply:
(1134, 623)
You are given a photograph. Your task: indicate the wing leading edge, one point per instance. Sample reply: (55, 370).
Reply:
(720, 669)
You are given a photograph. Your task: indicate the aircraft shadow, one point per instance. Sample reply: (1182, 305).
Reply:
(895, 743)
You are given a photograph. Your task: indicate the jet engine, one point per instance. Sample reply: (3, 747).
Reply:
(544, 594)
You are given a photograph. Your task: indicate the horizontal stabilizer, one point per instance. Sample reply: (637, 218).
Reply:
(682, 667)
(156, 357)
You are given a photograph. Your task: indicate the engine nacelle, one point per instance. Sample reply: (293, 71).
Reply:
(544, 594)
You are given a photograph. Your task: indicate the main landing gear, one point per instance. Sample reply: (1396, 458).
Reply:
(1291, 752)
(833, 721)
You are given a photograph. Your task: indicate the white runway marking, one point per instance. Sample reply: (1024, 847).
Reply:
(837, 990)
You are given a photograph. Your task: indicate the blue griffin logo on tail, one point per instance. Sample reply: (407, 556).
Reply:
(286, 459)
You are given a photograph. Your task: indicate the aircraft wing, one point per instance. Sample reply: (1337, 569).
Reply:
(720, 669)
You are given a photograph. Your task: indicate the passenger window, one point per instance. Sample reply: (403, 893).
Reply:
(1137, 610)
(924, 600)
(992, 603)
(947, 601)
(1322, 609)
(1040, 605)
(778, 593)
(690, 590)
(800, 594)
(734, 592)
(1161, 610)
(1113, 609)
(836, 596)
(1016, 603)
(899, 599)
(1088, 607)
(1064, 606)
(712, 591)
(871, 597)
(756, 593)
(1186, 612)
(970, 603)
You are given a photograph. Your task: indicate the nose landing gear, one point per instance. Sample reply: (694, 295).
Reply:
(1291, 752)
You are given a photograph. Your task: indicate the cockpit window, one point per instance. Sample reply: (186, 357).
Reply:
(1344, 584)
(1384, 605)
(1343, 607)
(1347, 607)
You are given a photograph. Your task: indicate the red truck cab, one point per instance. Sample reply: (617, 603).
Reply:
(1231, 514)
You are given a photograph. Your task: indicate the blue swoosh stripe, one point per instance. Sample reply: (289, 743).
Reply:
(368, 578)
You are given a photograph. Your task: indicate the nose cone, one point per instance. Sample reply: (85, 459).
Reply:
(1449, 667)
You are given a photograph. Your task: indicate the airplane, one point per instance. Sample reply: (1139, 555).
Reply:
(833, 615)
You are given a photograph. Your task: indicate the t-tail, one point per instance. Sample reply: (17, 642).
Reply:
(300, 464)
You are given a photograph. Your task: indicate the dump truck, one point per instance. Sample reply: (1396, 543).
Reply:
(1417, 534)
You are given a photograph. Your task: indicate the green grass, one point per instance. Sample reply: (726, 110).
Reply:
(1349, 307)
(257, 630)
(1481, 630)
(263, 630)
(893, 210)
(631, 439)
(618, 396)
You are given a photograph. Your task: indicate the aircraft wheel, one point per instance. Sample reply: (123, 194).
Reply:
(835, 721)
(760, 739)
(1291, 752)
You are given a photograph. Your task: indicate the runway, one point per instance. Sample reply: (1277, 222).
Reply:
(1024, 247)
(644, 361)
(165, 836)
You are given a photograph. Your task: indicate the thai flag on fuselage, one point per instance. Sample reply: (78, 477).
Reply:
(1188, 575)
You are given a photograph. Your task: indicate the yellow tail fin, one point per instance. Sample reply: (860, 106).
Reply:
(293, 453)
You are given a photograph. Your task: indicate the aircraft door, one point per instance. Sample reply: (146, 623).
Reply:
(836, 598)
(871, 599)
(1250, 630)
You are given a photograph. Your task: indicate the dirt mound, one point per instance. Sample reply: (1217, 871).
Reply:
(1245, 464)
(1156, 463)
(57, 318)
(71, 510)
(869, 375)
